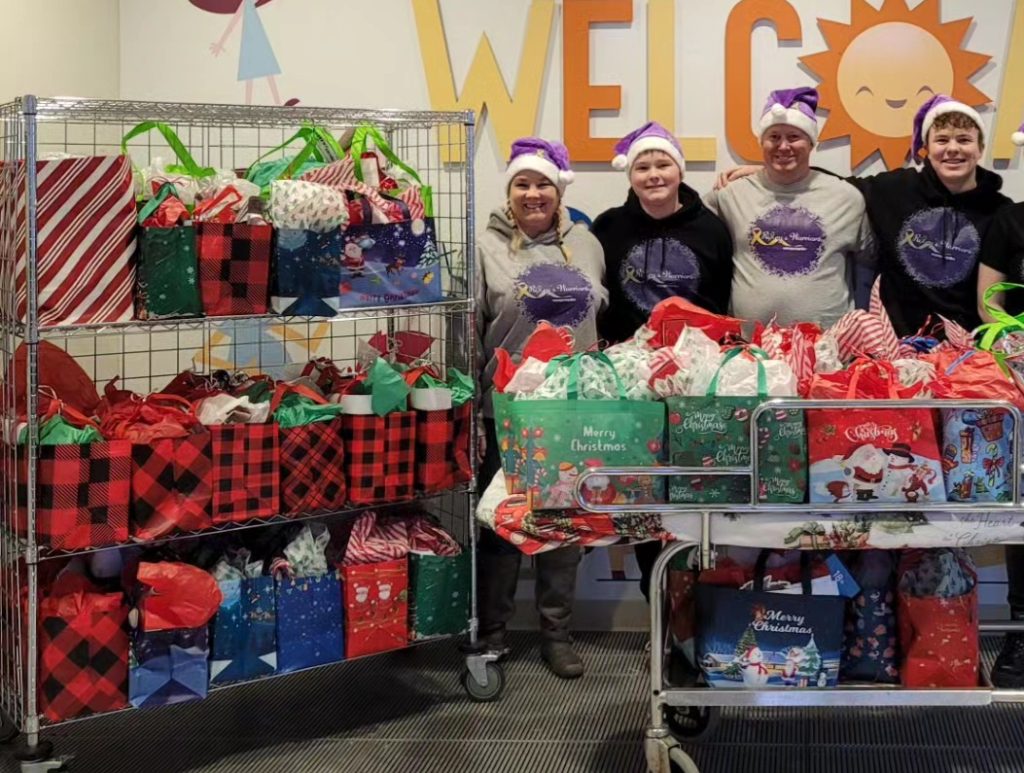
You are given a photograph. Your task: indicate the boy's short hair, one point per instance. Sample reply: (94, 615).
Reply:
(956, 121)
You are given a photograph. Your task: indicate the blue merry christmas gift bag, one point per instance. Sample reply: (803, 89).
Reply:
(244, 631)
(760, 639)
(384, 264)
(309, 622)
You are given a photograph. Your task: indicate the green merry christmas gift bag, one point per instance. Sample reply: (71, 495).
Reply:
(559, 439)
(438, 594)
(713, 431)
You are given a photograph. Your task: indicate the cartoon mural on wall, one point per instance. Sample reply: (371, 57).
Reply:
(256, 60)
(882, 66)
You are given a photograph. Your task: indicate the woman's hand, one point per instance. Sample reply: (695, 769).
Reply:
(734, 174)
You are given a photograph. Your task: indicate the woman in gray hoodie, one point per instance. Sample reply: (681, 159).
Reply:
(533, 265)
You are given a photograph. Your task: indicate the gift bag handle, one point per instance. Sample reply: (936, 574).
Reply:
(166, 191)
(312, 135)
(887, 368)
(805, 571)
(283, 389)
(188, 164)
(366, 131)
(991, 331)
(229, 196)
(573, 362)
(762, 377)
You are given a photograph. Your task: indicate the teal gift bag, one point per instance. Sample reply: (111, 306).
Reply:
(713, 431)
(560, 439)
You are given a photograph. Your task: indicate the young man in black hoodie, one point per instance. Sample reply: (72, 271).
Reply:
(662, 242)
(929, 224)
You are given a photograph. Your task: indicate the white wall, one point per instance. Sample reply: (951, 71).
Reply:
(60, 48)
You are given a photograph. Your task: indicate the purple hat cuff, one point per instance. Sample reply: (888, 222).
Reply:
(623, 162)
(778, 115)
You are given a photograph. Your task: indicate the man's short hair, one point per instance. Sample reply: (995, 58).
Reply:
(956, 121)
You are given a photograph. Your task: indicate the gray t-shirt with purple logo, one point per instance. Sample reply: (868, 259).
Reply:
(794, 246)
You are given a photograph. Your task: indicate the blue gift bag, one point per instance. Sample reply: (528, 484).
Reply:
(309, 622)
(390, 263)
(977, 453)
(871, 643)
(168, 667)
(307, 272)
(758, 639)
(244, 631)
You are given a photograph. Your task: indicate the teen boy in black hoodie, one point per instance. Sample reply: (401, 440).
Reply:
(663, 241)
(929, 224)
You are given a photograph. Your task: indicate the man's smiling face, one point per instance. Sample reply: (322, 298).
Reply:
(888, 72)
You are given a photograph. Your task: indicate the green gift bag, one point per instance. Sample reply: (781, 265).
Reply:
(511, 449)
(714, 431)
(559, 439)
(167, 277)
(438, 594)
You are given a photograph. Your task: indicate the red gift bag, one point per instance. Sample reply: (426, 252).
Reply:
(85, 219)
(376, 607)
(83, 650)
(312, 473)
(443, 448)
(866, 455)
(234, 268)
(380, 457)
(172, 485)
(246, 474)
(938, 636)
(83, 495)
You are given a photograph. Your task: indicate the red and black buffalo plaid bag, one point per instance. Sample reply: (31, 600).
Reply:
(83, 650)
(172, 485)
(246, 476)
(443, 448)
(83, 493)
(312, 476)
(234, 267)
(380, 455)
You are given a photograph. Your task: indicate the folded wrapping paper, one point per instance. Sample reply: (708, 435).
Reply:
(307, 206)
(143, 420)
(305, 555)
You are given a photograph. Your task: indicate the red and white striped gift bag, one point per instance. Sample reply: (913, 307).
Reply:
(375, 540)
(86, 240)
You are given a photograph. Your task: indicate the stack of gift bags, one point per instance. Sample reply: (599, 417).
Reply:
(302, 234)
(148, 627)
(210, 450)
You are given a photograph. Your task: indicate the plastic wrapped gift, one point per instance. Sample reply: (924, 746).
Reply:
(301, 205)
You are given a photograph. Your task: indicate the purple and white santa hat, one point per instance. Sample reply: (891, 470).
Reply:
(938, 105)
(651, 136)
(1018, 136)
(533, 154)
(792, 107)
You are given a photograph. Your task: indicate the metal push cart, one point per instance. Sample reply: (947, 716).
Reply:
(684, 714)
(146, 355)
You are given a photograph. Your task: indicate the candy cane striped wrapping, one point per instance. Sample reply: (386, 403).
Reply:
(86, 240)
(374, 540)
(411, 196)
(341, 174)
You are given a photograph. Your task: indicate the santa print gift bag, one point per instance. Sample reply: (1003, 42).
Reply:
(714, 431)
(874, 455)
(562, 438)
(86, 228)
(376, 607)
(754, 638)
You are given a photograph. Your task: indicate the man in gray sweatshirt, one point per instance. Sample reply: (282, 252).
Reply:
(795, 230)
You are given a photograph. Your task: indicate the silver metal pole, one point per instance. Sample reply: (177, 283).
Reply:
(470, 242)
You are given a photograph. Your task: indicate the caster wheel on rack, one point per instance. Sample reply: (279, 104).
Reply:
(40, 759)
(491, 690)
(691, 724)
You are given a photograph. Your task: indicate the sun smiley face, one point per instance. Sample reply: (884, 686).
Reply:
(882, 66)
(882, 94)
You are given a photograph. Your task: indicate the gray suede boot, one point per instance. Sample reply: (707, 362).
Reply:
(555, 591)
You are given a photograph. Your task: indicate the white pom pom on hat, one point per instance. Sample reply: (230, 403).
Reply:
(620, 162)
(1018, 137)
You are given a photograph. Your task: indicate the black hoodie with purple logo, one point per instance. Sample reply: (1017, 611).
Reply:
(929, 242)
(687, 254)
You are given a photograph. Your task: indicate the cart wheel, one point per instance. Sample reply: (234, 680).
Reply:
(491, 690)
(691, 724)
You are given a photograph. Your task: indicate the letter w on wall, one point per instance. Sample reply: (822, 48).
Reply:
(512, 115)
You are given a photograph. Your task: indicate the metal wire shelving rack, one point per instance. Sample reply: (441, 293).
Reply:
(145, 355)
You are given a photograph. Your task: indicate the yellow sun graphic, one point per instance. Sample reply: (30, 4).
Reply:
(882, 66)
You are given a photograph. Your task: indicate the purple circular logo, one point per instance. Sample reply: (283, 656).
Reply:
(557, 293)
(657, 269)
(788, 241)
(939, 247)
